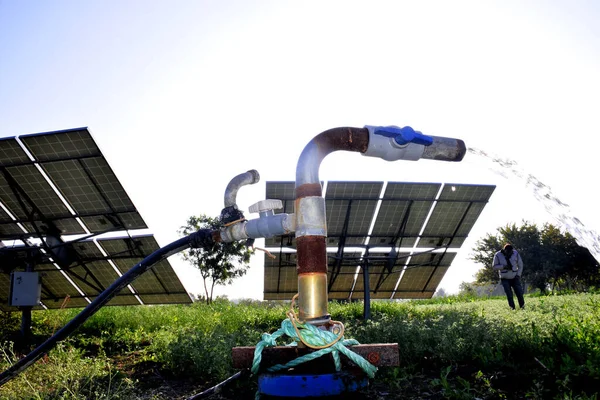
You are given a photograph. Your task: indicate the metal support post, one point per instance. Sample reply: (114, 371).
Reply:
(365, 268)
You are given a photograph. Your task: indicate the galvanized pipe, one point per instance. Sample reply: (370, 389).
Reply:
(247, 178)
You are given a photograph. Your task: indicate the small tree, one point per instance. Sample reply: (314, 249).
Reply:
(220, 264)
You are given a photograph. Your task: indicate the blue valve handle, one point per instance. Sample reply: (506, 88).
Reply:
(404, 135)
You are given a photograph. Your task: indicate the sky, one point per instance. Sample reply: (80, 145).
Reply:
(181, 96)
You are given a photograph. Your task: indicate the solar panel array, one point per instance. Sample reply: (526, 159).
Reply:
(60, 182)
(404, 236)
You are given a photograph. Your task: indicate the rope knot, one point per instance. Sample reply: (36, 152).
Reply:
(320, 340)
(269, 340)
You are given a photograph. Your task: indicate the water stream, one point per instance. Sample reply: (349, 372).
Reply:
(559, 210)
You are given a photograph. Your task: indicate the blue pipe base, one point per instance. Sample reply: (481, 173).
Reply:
(310, 385)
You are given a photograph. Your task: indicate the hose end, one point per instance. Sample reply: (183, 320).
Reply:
(445, 149)
(255, 176)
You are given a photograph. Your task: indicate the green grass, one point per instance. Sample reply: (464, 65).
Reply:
(455, 347)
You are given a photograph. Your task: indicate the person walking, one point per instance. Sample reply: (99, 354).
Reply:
(509, 264)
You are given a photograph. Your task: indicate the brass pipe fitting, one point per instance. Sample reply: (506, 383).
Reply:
(312, 297)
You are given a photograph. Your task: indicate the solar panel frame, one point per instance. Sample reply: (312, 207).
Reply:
(11, 152)
(382, 279)
(61, 145)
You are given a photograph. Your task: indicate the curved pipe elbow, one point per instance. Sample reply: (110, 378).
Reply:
(247, 178)
(345, 138)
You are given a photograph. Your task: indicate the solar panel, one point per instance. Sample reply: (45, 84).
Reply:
(349, 210)
(341, 274)
(280, 277)
(56, 289)
(30, 198)
(282, 191)
(457, 210)
(428, 220)
(57, 184)
(403, 211)
(11, 153)
(418, 273)
(71, 143)
(157, 286)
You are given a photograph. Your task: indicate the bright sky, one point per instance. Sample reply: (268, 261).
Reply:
(182, 96)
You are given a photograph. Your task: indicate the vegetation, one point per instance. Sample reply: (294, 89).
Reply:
(552, 258)
(218, 265)
(450, 347)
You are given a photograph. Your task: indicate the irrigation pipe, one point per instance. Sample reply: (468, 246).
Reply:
(197, 239)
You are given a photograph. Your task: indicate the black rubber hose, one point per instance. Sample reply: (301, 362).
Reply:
(200, 238)
(217, 388)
